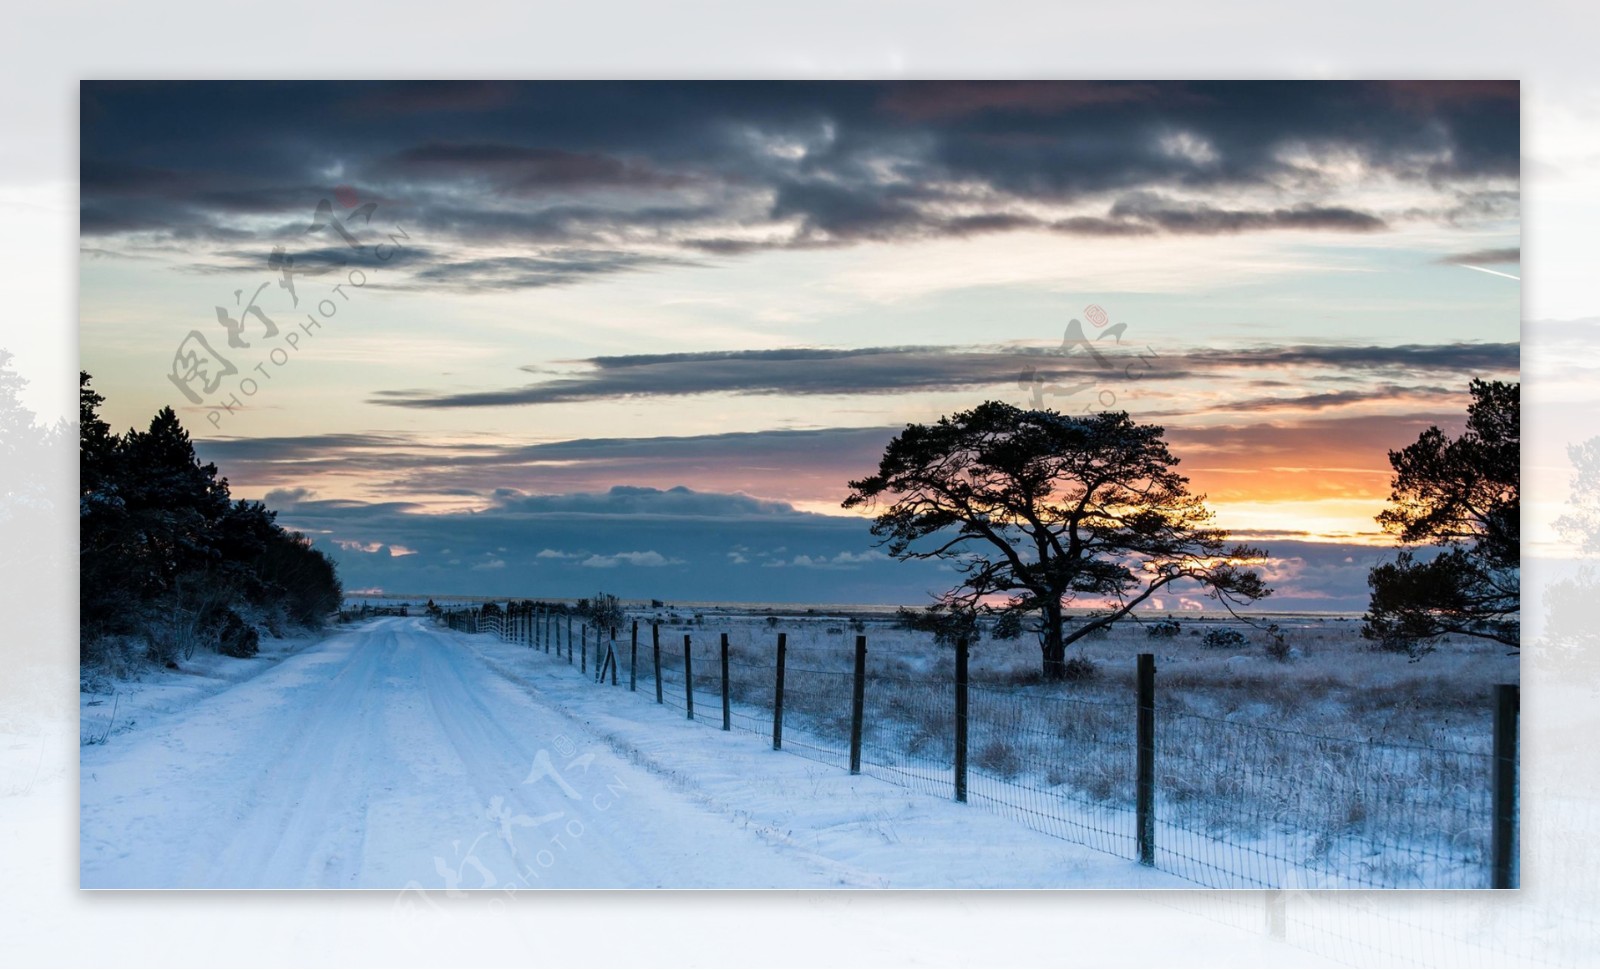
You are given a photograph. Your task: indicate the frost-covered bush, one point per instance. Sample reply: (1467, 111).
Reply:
(1278, 647)
(1080, 668)
(1219, 639)
(1163, 629)
(604, 611)
(235, 637)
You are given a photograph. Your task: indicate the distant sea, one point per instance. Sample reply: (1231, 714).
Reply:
(814, 609)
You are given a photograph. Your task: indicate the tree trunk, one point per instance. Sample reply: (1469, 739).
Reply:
(1055, 651)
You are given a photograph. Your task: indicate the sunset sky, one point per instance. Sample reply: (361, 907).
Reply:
(636, 337)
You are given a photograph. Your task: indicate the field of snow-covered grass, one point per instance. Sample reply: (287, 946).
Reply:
(1339, 766)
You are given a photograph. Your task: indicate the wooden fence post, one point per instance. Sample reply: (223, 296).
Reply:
(961, 719)
(777, 695)
(1145, 794)
(633, 660)
(611, 656)
(1507, 704)
(727, 710)
(569, 638)
(655, 650)
(688, 677)
(858, 704)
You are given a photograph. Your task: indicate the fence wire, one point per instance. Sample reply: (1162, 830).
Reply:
(1238, 805)
(1061, 765)
(1242, 805)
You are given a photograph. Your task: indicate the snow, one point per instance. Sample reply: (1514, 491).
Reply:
(400, 755)
(113, 706)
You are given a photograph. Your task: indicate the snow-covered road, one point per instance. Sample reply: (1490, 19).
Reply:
(398, 754)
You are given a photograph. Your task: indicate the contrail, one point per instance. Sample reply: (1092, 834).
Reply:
(1491, 272)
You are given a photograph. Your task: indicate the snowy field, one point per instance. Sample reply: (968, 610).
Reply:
(396, 754)
(400, 754)
(1334, 766)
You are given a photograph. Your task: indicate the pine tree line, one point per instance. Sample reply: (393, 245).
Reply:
(169, 562)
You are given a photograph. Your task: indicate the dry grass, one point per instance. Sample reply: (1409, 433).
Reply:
(1252, 751)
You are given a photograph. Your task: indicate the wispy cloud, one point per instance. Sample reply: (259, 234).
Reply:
(885, 370)
(1491, 257)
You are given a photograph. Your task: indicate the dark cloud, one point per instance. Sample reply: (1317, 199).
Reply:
(728, 168)
(631, 500)
(514, 168)
(870, 370)
(777, 464)
(1198, 219)
(1309, 447)
(1464, 358)
(1481, 256)
(1386, 393)
(1253, 456)
(557, 268)
(883, 370)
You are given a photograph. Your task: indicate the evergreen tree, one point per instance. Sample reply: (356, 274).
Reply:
(166, 553)
(1463, 494)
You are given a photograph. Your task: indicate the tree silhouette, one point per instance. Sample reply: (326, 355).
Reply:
(165, 553)
(1036, 509)
(1463, 494)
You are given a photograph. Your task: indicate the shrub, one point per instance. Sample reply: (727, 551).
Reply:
(236, 638)
(999, 757)
(1080, 668)
(1278, 647)
(604, 611)
(1223, 639)
(947, 624)
(1163, 629)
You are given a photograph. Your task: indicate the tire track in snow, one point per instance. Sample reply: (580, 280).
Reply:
(299, 825)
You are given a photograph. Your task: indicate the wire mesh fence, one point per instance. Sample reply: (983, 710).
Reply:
(1248, 806)
(1061, 765)
(1235, 804)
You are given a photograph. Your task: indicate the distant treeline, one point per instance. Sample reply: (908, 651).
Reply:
(169, 562)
